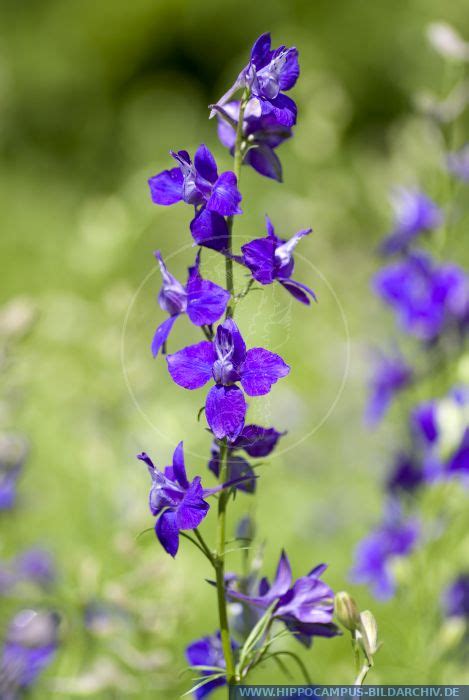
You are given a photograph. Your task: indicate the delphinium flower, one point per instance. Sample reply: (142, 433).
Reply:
(256, 442)
(30, 646)
(427, 298)
(226, 361)
(406, 474)
(395, 537)
(262, 135)
(456, 597)
(391, 375)
(270, 259)
(13, 451)
(202, 300)
(305, 606)
(458, 163)
(208, 651)
(35, 565)
(267, 76)
(414, 214)
(198, 183)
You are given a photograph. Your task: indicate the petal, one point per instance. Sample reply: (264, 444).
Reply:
(283, 577)
(167, 532)
(162, 334)
(265, 161)
(239, 467)
(229, 343)
(225, 195)
(290, 70)
(282, 107)
(205, 163)
(260, 52)
(261, 369)
(259, 257)
(298, 290)
(209, 229)
(226, 130)
(257, 441)
(166, 188)
(193, 508)
(225, 410)
(206, 301)
(179, 468)
(191, 367)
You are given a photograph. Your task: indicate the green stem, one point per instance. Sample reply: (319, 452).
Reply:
(205, 548)
(238, 160)
(220, 569)
(363, 673)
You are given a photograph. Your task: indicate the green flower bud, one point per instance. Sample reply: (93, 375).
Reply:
(346, 611)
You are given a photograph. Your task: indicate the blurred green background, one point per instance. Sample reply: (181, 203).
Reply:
(92, 97)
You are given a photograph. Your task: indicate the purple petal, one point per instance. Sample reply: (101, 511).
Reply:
(166, 187)
(259, 257)
(290, 70)
(229, 343)
(226, 131)
(167, 532)
(193, 508)
(270, 228)
(282, 107)
(299, 291)
(205, 164)
(206, 300)
(162, 334)
(257, 441)
(265, 161)
(261, 369)
(179, 468)
(260, 52)
(191, 367)
(225, 196)
(225, 410)
(283, 577)
(209, 229)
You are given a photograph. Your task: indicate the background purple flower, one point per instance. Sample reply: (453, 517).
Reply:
(406, 474)
(262, 134)
(203, 301)
(207, 652)
(414, 213)
(391, 375)
(13, 452)
(456, 597)
(226, 361)
(198, 183)
(426, 297)
(458, 163)
(177, 504)
(271, 259)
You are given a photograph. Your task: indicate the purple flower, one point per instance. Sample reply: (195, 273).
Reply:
(306, 607)
(36, 565)
(207, 651)
(426, 297)
(391, 375)
(268, 74)
(394, 538)
(456, 597)
(256, 442)
(227, 362)
(177, 504)
(202, 300)
(29, 647)
(198, 183)
(271, 259)
(458, 163)
(262, 135)
(13, 451)
(406, 474)
(414, 213)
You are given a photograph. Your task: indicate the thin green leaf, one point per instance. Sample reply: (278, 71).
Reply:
(203, 682)
(299, 662)
(255, 635)
(282, 667)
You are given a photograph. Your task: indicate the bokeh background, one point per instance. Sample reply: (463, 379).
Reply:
(93, 94)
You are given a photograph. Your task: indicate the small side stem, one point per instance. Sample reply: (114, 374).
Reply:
(220, 570)
(363, 673)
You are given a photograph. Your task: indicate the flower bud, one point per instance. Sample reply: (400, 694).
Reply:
(346, 611)
(246, 528)
(368, 630)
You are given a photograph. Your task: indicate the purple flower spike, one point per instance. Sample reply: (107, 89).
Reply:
(177, 504)
(208, 651)
(227, 362)
(262, 134)
(13, 452)
(198, 183)
(391, 375)
(394, 538)
(414, 213)
(269, 73)
(456, 598)
(458, 163)
(270, 259)
(202, 300)
(406, 475)
(306, 607)
(30, 646)
(425, 297)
